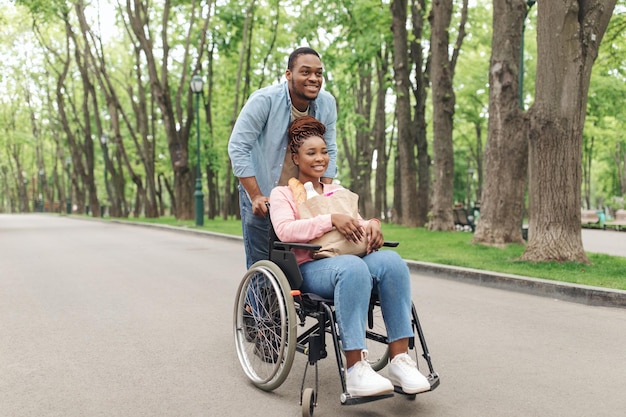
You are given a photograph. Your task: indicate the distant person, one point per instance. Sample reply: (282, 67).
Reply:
(258, 143)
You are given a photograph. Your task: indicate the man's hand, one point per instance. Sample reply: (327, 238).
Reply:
(258, 200)
(259, 206)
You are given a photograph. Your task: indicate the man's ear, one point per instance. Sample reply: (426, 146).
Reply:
(288, 74)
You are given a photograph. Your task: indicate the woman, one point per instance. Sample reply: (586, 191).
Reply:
(348, 279)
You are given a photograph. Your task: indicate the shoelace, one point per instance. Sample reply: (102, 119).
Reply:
(361, 367)
(404, 360)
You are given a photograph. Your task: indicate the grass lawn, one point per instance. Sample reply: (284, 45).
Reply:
(455, 248)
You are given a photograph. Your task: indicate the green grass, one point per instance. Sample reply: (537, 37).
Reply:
(229, 227)
(455, 248)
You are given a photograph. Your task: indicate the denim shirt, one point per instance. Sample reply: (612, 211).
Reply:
(258, 142)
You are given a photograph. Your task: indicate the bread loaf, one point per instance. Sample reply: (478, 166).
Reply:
(297, 188)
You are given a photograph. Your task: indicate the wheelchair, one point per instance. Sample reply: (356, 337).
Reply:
(273, 320)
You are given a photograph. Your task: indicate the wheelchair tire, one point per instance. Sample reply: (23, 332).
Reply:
(376, 339)
(308, 402)
(265, 325)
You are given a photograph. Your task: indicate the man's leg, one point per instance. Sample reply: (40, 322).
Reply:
(255, 231)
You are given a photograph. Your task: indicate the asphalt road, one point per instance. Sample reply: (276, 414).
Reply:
(102, 319)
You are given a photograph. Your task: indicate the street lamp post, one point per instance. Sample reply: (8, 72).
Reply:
(68, 206)
(529, 5)
(468, 191)
(104, 139)
(196, 87)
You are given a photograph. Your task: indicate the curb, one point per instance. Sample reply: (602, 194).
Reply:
(564, 291)
(577, 293)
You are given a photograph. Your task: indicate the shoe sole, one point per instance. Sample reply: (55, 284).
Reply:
(370, 393)
(416, 390)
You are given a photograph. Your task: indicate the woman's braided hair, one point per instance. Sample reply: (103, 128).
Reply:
(303, 128)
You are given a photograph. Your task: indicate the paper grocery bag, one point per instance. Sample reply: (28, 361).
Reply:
(334, 243)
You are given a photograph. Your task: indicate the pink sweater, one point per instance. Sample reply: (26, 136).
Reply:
(288, 225)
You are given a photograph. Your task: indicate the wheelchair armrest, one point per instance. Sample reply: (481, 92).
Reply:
(391, 244)
(293, 245)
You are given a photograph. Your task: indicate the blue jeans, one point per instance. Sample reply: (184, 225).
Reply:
(255, 231)
(350, 280)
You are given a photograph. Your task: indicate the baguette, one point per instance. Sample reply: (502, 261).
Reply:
(297, 188)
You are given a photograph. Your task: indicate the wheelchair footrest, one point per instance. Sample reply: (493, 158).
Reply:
(347, 399)
(434, 380)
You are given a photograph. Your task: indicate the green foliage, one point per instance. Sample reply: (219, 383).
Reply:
(46, 10)
(351, 36)
(603, 124)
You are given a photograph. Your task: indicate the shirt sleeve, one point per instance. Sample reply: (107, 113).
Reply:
(246, 133)
(287, 224)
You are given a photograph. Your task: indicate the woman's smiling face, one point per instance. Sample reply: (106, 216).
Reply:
(312, 159)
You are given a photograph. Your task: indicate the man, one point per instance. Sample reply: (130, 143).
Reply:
(258, 143)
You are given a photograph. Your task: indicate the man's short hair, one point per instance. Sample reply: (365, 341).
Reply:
(304, 50)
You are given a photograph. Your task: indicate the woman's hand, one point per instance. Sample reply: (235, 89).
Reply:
(348, 226)
(374, 234)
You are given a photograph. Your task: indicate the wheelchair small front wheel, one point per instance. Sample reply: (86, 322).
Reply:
(265, 325)
(308, 402)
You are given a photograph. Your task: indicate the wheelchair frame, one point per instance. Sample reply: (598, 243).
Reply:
(268, 309)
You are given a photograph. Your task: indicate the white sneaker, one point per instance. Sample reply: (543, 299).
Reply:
(403, 373)
(363, 381)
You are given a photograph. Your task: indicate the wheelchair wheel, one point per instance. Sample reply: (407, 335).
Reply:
(376, 339)
(265, 325)
(308, 402)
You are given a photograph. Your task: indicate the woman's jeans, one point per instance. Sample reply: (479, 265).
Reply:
(350, 281)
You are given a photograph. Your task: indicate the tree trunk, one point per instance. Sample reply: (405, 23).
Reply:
(506, 158)
(406, 149)
(568, 36)
(420, 93)
(176, 130)
(361, 167)
(229, 193)
(587, 160)
(380, 137)
(441, 76)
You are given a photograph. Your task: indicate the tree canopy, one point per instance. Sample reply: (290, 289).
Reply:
(96, 108)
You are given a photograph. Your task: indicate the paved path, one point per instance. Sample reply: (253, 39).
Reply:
(101, 319)
(611, 242)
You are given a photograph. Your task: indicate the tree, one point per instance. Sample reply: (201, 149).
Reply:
(420, 93)
(507, 149)
(441, 75)
(176, 115)
(406, 145)
(569, 33)
(604, 145)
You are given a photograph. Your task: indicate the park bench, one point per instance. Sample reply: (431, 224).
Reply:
(462, 221)
(619, 221)
(590, 217)
(52, 207)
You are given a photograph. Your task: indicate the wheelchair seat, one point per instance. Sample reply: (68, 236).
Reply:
(273, 320)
